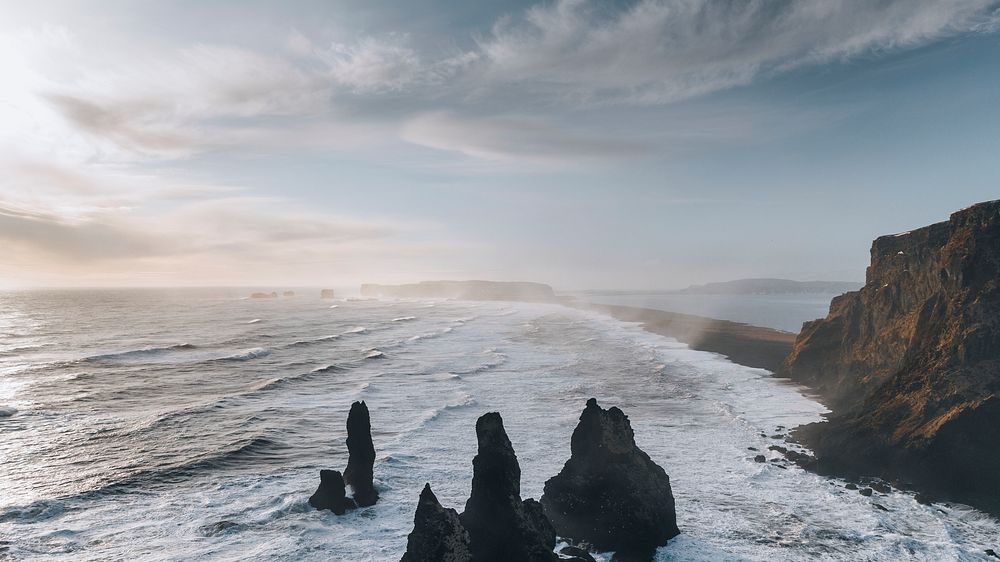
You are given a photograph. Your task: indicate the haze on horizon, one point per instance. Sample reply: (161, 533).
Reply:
(625, 144)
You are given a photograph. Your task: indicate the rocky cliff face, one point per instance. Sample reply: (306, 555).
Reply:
(910, 363)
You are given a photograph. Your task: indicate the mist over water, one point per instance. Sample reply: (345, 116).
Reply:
(784, 312)
(191, 425)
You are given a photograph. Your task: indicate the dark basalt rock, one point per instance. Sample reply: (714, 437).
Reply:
(438, 534)
(576, 554)
(865, 491)
(609, 493)
(361, 462)
(502, 527)
(332, 493)
(760, 458)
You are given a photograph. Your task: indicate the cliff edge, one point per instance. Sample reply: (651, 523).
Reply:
(910, 363)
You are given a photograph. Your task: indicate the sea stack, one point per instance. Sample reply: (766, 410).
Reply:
(332, 493)
(910, 364)
(610, 494)
(359, 474)
(438, 534)
(326, 293)
(501, 527)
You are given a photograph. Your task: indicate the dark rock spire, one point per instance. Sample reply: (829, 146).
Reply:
(438, 534)
(361, 462)
(609, 493)
(502, 527)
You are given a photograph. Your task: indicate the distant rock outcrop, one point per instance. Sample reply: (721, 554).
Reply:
(910, 363)
(464, 290)
(271, 295)
(438, 534)
(332, 493)
(501, 526)
(288, 294)
(359, 474)
(326, 294)
(610, 493)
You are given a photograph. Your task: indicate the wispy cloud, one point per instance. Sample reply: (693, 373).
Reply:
(659, 51)
(521, 139)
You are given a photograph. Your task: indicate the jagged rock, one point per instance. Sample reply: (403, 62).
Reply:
(576, 554)
(359, 473)
(910, 364)
(502, 527)
(610, 493)
(851, 486)
(332, 493)
(760, 458)
(865, 492)
(438, 534)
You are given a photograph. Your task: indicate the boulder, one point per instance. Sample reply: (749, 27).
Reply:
(326, 294)
(332, 493)
(610, 493)
(438, 534)
(359, 474)
(501, 526)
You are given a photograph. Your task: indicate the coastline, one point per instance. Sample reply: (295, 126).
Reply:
(751, 346)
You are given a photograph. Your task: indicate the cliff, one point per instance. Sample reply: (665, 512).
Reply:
(464, 290)
(910, 363)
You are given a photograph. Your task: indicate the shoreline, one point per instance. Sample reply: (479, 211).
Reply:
(745, 344)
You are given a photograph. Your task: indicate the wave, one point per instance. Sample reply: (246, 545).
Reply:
(329, 369)
(357, 330)
(404, 318)
(299, 343)
(254, 321)
(334, 306)
(374, 354)
(247, 355)
(140, 353)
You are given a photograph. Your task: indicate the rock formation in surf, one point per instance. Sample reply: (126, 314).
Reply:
(910, 363)
(609, 493)
(326, 294)
(438, 534)
(359, 474)
(501, 526)
(332, 493)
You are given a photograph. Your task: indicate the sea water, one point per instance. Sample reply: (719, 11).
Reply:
(192, 425)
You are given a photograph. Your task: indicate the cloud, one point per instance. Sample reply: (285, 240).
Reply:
(514, 138)
(659, 51)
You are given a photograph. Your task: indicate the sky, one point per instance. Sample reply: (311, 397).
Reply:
(627, 144)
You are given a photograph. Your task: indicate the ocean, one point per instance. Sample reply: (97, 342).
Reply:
(192, 425)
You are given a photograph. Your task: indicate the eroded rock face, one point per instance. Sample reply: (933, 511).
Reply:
(438, 534)
(911, 362)
(501, 526)
(359, 474)
(610, 493)
(332, 493)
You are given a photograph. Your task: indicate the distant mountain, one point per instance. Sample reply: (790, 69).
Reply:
(771, 287)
